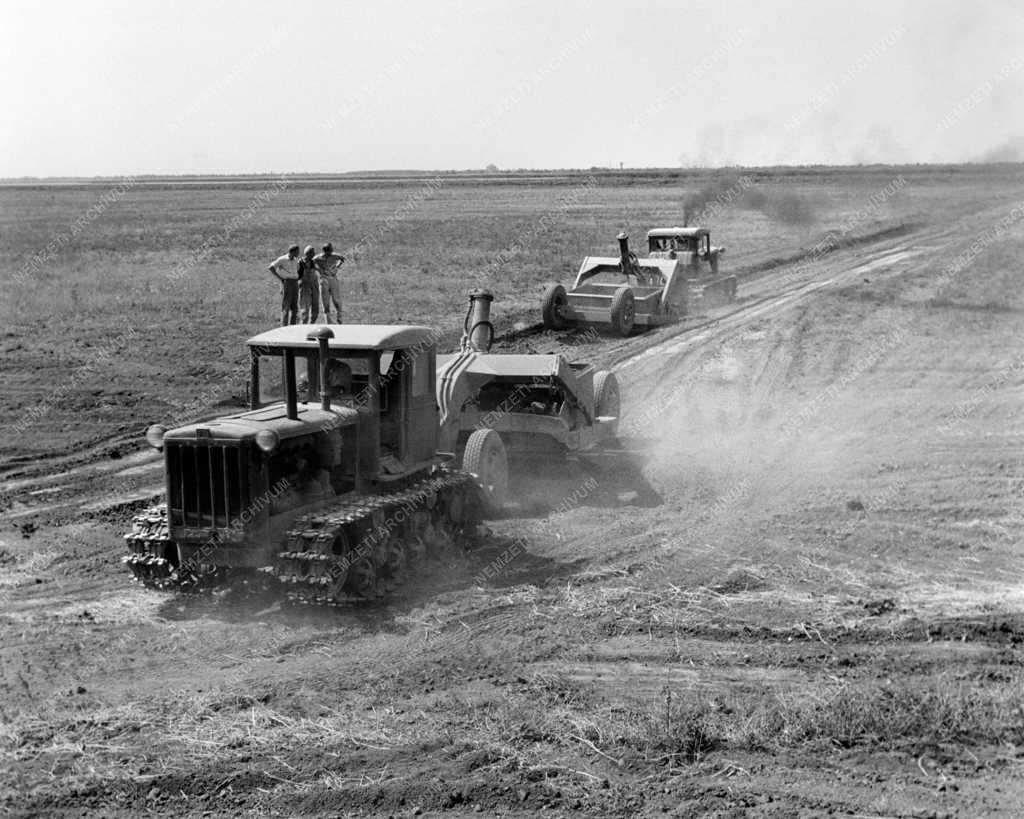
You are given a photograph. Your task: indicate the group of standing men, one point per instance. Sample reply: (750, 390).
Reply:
(306, 281)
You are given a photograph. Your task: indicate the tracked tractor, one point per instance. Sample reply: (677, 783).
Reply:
(333, 481)
(678, 277)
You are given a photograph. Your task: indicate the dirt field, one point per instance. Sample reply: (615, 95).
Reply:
(812, 603)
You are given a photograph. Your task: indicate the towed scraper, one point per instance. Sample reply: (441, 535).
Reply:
(679, 276)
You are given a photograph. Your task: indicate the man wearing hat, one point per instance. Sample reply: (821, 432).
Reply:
(286, 269)
(327, 263)
(309, 287)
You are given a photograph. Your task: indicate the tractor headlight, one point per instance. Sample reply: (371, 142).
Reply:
(267, 440)
(155, 436)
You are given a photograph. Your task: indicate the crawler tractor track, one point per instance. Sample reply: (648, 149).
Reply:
(353, 553)
(149, 547)
(146, 542)
(362, 550)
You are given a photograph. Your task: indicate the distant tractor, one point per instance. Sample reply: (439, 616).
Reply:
(678, 277)
(333, 481)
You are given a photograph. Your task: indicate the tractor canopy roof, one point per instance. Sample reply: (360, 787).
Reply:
(349, 337)
(688, 232)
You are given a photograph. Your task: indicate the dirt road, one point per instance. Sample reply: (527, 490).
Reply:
(813, 607)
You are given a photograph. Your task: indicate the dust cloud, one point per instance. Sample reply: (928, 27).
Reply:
(738, 191)
(737, 439)
(787, 207)
(1010, 150)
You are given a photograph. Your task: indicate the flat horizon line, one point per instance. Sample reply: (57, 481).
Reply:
(499, 172)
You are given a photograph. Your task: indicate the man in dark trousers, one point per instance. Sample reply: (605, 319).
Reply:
(327, 264)
(286, 270)
(309, 287)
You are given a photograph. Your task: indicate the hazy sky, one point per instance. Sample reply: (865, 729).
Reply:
(229, 87)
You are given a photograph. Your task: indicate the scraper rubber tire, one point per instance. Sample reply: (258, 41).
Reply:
(553, 308)
(606, 397)
(623, 311)
(485, 457)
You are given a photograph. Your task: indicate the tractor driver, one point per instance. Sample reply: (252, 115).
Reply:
(339, 379)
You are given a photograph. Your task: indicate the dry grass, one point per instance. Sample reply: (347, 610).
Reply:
(295, 736)
(553, 721)
(185, 736)
(906, 712)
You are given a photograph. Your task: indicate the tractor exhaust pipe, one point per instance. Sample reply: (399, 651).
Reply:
(477, 330)
(322, 335)
(623, 250)
(627, 259)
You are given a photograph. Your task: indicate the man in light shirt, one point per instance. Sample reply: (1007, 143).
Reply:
(286, 269)
(327, 264)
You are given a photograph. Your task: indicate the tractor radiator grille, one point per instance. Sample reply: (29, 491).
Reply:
(207, 484)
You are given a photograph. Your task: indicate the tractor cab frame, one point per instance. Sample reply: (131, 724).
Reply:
(385, 373)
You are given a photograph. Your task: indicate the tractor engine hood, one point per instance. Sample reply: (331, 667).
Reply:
(246, 425)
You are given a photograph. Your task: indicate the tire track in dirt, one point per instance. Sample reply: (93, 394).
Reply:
(765, 307)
